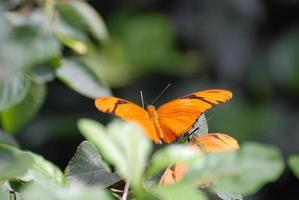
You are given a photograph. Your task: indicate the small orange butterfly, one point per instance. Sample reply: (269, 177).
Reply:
(169, 121)
(212, 142)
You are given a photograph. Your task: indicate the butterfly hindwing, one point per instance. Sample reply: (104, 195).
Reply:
(215, 142)
(127, 111)
(179, 115)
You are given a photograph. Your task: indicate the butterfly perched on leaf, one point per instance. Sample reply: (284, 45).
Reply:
(171, 120)
(209, 143)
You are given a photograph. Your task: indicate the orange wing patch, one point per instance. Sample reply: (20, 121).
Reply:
(213, 142)
(127, 111)
(179, 115)
(173, 174)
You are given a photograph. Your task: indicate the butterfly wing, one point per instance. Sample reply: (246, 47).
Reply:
(212, 142)
(178, 116)
(173, 174)
(127, 111)
(216, 142)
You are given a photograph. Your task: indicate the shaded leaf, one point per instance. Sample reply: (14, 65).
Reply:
(48, 191)
(88, 18)
(27, 166)
(293, 162)
(6, 192)
(80, 79)
(14, 118)
(173, 153)
(199, 128)
(122, 144)
(15, 54)
(13, 90)
(45, 72)
(178, 192)
(43, 170)
(76, 45)
(86, 167)
(236, 172)
(13, 163)
(229, 196)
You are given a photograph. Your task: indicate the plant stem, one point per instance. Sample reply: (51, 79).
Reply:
(126, 191)
(49, 9)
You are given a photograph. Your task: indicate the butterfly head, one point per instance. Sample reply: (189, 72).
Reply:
(152, 112)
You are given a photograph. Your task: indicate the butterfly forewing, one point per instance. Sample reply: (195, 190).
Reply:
(179, 115)
(127, 111)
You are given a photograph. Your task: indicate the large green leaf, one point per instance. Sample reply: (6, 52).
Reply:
(177, 192)
(81, 79)
(82, 15)
(122, 144)
(244, 172)
(87, 167)
(13, 163)
(43, 170)
(293, 162)
(13, 90)
(15, 54)
(27, 166)
(14, 118)
(48, 191)
(173, 153)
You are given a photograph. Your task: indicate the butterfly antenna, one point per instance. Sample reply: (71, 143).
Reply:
(142, 101)
(169, 84)
(136, 97)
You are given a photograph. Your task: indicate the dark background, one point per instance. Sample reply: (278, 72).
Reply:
(248, 46)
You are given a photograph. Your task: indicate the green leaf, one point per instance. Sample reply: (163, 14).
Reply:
(43, 170)
(199, 128)
(13, 90)
(178, 192)
(76, 45)
(48, 191)
(229, 196)
(27, 166)
(7, 193)
(88, 18)
(44, 73)
(7, 139)
(173, 153)
(293, 162)
(236, 172)
(15, 54)
(86, 167)
(14, 118)
(80, 79)
(122, 144)
(13, 163)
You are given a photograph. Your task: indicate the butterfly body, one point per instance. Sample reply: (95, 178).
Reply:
(169, 121)
(154, 117)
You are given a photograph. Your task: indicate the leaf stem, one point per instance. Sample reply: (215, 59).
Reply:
(49, 9)
(126, 191)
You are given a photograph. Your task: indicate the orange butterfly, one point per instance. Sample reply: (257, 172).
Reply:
(170, 120)
(212, 142)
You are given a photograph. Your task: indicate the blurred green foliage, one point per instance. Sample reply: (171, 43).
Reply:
(42, 41)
